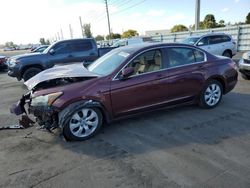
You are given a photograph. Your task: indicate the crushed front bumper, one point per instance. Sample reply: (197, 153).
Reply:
(44, 116)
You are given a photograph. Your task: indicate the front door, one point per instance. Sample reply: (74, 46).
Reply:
(141, 90)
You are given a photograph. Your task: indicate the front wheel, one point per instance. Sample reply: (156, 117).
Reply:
(82, 124)
(211, 94)
(30, 72)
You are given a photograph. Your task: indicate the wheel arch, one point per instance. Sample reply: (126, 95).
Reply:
(221, 80)
(62, 115)
(30, 66)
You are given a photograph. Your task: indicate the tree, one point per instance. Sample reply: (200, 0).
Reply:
(10, 44)
(248, 18)
(99, 37)
(47, 42)
(221, 23)
(113, 36)
(42, 41)
(209, 21)
(178, 28)
(87, 30)
(129, 33)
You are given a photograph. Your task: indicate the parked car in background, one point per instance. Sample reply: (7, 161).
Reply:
(3, 64)
(124, 82)
(40, 49)
(244, 65)
(60, 53)
(130, 41)
(214, 43)
(9, 49)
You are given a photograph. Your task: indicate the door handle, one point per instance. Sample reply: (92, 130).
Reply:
(69, 56)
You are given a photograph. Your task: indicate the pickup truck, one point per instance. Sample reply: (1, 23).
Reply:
(60, 53)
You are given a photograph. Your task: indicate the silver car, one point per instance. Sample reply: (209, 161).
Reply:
(244, 65)
(214, 43)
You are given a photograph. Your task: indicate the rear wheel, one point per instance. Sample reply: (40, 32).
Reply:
(211, 94)
(82, 124)
(227, 53)
(30, 72)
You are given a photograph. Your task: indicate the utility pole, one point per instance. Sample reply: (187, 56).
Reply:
(80, 18)
(70, 31)
(197, 14)
(107, 9)
(58, 36)
(62, 34)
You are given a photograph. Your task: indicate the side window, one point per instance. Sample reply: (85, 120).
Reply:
(199, 56)
(62, 48)
(215, 39)
(147, 62)
(203, 42)
(180, 56)
(225, 38)
(81, 46)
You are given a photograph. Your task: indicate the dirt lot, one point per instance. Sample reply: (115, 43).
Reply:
(181, 147)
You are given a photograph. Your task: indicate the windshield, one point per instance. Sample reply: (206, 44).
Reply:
(191, 40)
(109, 62)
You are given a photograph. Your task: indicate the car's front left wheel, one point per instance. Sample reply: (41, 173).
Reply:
(82, 124)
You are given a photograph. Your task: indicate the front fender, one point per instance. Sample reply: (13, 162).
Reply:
(63, 115)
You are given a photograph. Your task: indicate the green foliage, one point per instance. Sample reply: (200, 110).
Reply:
(87, 30)
(209, 21)
(221, 23)
(113, 36)
(44, 42)
(10, 44)
(179, 28)
(248, 18)
(99, 37)
(129, 33)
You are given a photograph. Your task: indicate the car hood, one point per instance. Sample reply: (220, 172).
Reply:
(67, 71)
(26, 55)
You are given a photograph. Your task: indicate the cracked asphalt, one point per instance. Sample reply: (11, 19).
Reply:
(180, 147)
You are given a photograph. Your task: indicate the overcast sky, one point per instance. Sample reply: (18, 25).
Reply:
(25, 21)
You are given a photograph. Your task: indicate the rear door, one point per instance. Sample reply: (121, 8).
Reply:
(186, 71)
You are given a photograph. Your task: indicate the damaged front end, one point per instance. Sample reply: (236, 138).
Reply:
(40, 107)
(45, 88)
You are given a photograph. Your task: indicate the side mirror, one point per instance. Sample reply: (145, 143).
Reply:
(52, 51)
(200, 43)
(127, 72)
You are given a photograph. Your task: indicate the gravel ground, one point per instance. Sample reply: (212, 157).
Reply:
(180, 147)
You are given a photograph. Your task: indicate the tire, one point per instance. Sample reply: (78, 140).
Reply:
(76, 124)
(246, 77)
(227, 53)
(30, 72)
(211, 94)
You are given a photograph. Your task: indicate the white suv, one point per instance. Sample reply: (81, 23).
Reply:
(214, 43)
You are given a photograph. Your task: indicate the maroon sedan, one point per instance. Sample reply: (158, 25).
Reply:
(123, 83)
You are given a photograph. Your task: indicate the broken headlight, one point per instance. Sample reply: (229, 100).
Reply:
(45, 100)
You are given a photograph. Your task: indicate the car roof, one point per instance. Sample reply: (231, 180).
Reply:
(207, 34)
(147, 45)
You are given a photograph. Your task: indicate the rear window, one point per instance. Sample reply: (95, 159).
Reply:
(184, 56)
(219, 39)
